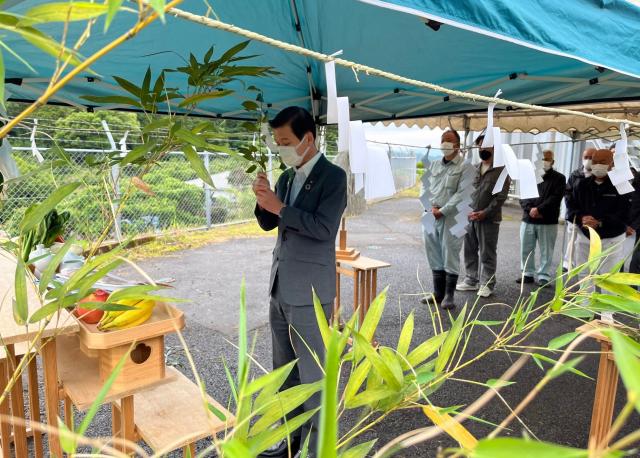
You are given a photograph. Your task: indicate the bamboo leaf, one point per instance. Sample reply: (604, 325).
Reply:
(406, 335)
(498, 383)
(425, 349)
(557, 371)
(158, 6)
(197, 165)
(450, 342)
(370, 398)
(197, 98)
(356, 379)
(2, 73)
(64, 12)
(217, 412)
(451, 426)
(191, 139)
(20, 303)
(328, 427)
(266, 439)
(138, 152)
(359, 451)
(49, 272)
(627, 359)
(112, 9)
(595, 248)
(624, 291)
(508, 447)
(35, 215)
(373, 315)
(46, 44)
(283, 403)
(624, 278)
(537, 358)
(321, 319)
(563, 340)
(391, 360)
(233, 51)
(271, 381)
(376, 361)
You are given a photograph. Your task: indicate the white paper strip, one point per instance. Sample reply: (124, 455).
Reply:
(268, 139)
(123, 144)
(343, 124)
(34, 148)
(511, 161)
(488, 140)
(358, 179)
(332, 92)
(357, 147)
(624, 188)
(500, 183)
(429, 222)
(527, 180)
(498, 156)
(378, 176)
(618, 175)
(537, 157)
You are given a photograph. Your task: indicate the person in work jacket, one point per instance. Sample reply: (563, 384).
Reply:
(481, 240)
(598, 205)
(441, 246)
(579, 174)
(540, 224)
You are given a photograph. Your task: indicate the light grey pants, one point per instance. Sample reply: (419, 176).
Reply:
(481, 252)
(294, 332)
(442, 247)
(544, 235)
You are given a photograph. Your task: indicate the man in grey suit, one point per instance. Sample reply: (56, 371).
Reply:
(306, 207)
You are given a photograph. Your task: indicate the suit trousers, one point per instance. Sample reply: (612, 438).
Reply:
(295, 335)
(481, 252)
(543, 235)
(442, 247)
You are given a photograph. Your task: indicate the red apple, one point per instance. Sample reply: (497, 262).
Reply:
(92, 316)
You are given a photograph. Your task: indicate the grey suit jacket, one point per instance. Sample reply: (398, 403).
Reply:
(304, 256)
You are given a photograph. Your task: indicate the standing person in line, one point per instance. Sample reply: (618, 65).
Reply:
(306, 207)
(441, 246)
(599, 206)
(582, 172)
(481, 240)
(540, 224)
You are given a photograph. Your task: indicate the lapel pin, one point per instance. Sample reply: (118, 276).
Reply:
(308, 186)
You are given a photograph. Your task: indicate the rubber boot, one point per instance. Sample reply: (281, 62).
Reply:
(439, 281)
(450, 288)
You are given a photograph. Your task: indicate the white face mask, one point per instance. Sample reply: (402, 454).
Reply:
(546, 165)
(600, 170)
(586, 167)
(447, 148)
(289, 154)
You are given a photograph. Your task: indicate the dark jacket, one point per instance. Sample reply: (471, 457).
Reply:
(550, 191)
(603, 202)
(634, 216)
(483, 197)
(305, 253)
(576, 176)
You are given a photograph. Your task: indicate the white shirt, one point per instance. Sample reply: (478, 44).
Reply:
(301, 175)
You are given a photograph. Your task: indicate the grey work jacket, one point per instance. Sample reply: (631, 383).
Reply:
(483, 197)
(444, 184)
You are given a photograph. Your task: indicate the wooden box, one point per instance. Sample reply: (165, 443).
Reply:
(144, 365)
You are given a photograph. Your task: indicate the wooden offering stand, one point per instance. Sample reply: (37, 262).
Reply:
(343, 253)
(606, 386)
(148, 400)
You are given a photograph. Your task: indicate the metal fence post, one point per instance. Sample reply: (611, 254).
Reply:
(207, 193)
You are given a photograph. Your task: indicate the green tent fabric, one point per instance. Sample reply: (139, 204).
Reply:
(543, 52)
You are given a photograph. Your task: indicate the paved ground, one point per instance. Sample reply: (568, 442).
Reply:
(211, 276)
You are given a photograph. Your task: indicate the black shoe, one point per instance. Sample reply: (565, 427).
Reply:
(282, 449)
(542, 283)
(450, 289)
(439, 284)
(524, 279)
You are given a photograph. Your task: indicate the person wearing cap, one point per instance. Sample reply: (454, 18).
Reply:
(441, 246)
(481, 239)
(579, 174)
(596, 204)
(540, 224)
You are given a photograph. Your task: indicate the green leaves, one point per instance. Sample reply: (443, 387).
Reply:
(197, 165)
(426, 349)
(34, 215)
(112, 8)
(627, 357)
(450, 342)
(406, 335)
(65, 12)
(328, 427)
(197, 98)
(507, 447)
(20, 304)
(560, 341)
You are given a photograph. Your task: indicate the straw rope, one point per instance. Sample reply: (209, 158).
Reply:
(216, 24)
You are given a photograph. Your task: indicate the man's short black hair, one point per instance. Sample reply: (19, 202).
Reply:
(455, 132)
(298, 118)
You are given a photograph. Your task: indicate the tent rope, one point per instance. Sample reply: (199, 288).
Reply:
(356, 67)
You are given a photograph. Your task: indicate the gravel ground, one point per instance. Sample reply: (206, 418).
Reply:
(210, 277)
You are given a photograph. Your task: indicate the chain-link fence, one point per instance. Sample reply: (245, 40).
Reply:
(112, 198)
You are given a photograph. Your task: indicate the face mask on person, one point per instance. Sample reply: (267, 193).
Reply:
(447, 148)
(546, 165)
(485, 154)
(599, 170)
(289, 154)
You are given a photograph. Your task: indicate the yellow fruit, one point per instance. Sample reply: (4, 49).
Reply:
(130, 318)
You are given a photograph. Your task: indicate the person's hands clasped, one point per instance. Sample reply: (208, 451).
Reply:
(437, 214)
(534, 213)
(477, 216)
(590, 221)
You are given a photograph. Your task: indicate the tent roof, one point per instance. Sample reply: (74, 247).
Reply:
(536, 121)
(543, 52)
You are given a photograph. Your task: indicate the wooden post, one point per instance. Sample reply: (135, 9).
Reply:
(343, 234)
(128, 427)
(17, 407)
(5, 411)
(605, 397)
(51, 392)
(34, 406)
